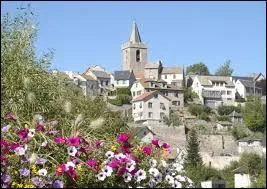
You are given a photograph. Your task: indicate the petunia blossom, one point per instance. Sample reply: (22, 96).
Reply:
(23, 134)
(72, 151)
(40, 127)
(147, 150)
(58, 184)
(114, 163)
(59, 140)
(155, 142)
(92, 163)
(24, 172)
(5, 128)
(123, 137)
(73, 141)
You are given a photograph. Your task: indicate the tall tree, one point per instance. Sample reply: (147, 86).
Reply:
(193, 158)
(199, 68)
(225, 69)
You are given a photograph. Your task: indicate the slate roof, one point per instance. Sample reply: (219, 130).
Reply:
(145, 84)
(122, 75)
(248, 83)
(243, 78)
(235, 114)
(206, 80)
(172, 70)
(147, 95)
(101, 74)
(246, 139)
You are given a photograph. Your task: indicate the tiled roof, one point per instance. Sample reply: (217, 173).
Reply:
(153, 65)
(147, 95)
(172, 70)
(248, 83)
(243, 78)
(206, 80)
(122, 75)
(101, 74)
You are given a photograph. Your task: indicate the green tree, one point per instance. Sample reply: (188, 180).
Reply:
(252, 163)
(225, 69)
(254, 115)
(193, 157)
(199, 68)
(189, 95)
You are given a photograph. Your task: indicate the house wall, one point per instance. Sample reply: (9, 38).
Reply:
(170, 77)
(171, 95)
(92, 88)
(135, 88)
(206, 184)
(121, 83)
(152, 73)
(242, 181)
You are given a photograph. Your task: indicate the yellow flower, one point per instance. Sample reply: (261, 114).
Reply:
(113, 148)
(135, 151)
(101, 165)
(79, 167)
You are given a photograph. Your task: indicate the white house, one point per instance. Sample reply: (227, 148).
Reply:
(242, 179)
(123, 79)
(214, 90)
(248, 144)
(246, 88)
(78, 80)
(213, 184)
(173, 75)
(151, 107)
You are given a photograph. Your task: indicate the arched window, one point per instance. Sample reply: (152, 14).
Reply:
(138, 56)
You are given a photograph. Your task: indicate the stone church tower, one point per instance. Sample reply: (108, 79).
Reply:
(134, 52)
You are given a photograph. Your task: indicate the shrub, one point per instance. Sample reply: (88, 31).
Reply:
(238, 132)
(195, 109)
(204, 116)
(116, 102)
(123, 91)
(223, 118)
(226, 110)
(189, 95)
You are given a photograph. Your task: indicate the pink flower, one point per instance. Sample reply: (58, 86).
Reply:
(121, 170)
(98, 144)
(40, 127)
(23, 134)
(14, 145)
(4, 143)
(73, 141)
(123, 160)
(92, 163)
(126, 148)
(10, 116)
(123, 137)
(134, 171)
(72, 173)
(113, 163)
(155, 142)
(60, 169)
(165, 145)
(147, 150)
(59, 140)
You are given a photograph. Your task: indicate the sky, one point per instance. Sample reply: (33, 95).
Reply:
(177, 33)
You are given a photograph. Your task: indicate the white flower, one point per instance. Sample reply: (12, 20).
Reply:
(6, 128)
(130, 166)
(140, 175)
(180, 178)
(33, 158)
(109, 154)
(153, 162)
(169, 179)
(69, 164)
(72, 150)
(167, 171)
(176, 184)
(107, 170)
(163, 163)
(101, 176)
(42, 172)
(151, 184)
(158, 178)
(178, 167)
(120, 156)
(44, 144)
(127, 177)
(153, 171)
(31, 133)
(20, 151)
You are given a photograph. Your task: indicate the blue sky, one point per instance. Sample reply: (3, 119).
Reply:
(178, 33)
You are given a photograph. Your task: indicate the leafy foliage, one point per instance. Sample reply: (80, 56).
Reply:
(226, 110)
(223, 118)
(189, 95)
(173, 119)
(199, 68)
(252, 163)
(202, 112)
(225, 69)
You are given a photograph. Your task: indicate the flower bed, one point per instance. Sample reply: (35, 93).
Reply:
(39, 155)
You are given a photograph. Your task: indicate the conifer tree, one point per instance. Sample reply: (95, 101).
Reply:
(193, 157)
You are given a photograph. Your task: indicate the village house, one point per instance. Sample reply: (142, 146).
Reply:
(123, 79)
(172, 92)
(242, 179)
(79, 81)
(214, 91)
(173, 75)
(248, 144)
(223, 126)
(247, 88)
(153, 70)
(151, 107)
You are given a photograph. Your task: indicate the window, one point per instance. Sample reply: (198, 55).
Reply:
(229, 93)
(150, 105)
(176, 94)
(138, 92)
(155, 95)
(162, 106)
(162, 115)
(134, 106)
(166, 93)
(223, 92)
(133, 93)
(138, 56)
(102, 83)
(165, 76)
(140, 106)
(117, 82)
(136, 85)
(106, 82)
(174, 76)
(174, 103)
(150, 114)
(178, 103)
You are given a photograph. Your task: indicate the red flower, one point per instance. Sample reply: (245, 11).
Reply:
(10, 116)
(23, 134)
(4, 143)
(92, 163)
(155, 142)
(60, 169)
(73, 141)
(40, 127)
(123, 137)
(121, 170)
(59, 140)
(147, 150)
(114, 163)
(72, 173)
(134, 171)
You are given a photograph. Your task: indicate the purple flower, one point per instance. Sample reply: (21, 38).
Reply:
(20, 151)
(123, 137)
(5, 178)
(24, 172)
(147, 150)
(92, 163)
(57, 184)
(37, 181)
(23, 134)
(10, 116)
(41, 161)
(40, 127)
(73, 141)
(6, 128)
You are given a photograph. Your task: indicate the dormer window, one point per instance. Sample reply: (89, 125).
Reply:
(138, 56)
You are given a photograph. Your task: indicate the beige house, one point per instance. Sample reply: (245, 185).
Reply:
(214, 90)
(153, 70)
(174, 93)
(173, 75)
(151, 107)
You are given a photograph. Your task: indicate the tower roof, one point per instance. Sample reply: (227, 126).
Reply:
(135, 36)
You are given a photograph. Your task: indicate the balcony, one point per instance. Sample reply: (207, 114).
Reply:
(211, 94)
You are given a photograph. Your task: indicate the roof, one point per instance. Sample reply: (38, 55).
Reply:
(172, 70)
(153, 65)
(147, 95)
(88, 77)
(142, 129)
(145, 84)
(235, 114)
(139, 75)
(246, 139)
(122, 75)
(247, 83)
(205, 80)
(100, 74)
(243, 78)
(135, 36)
